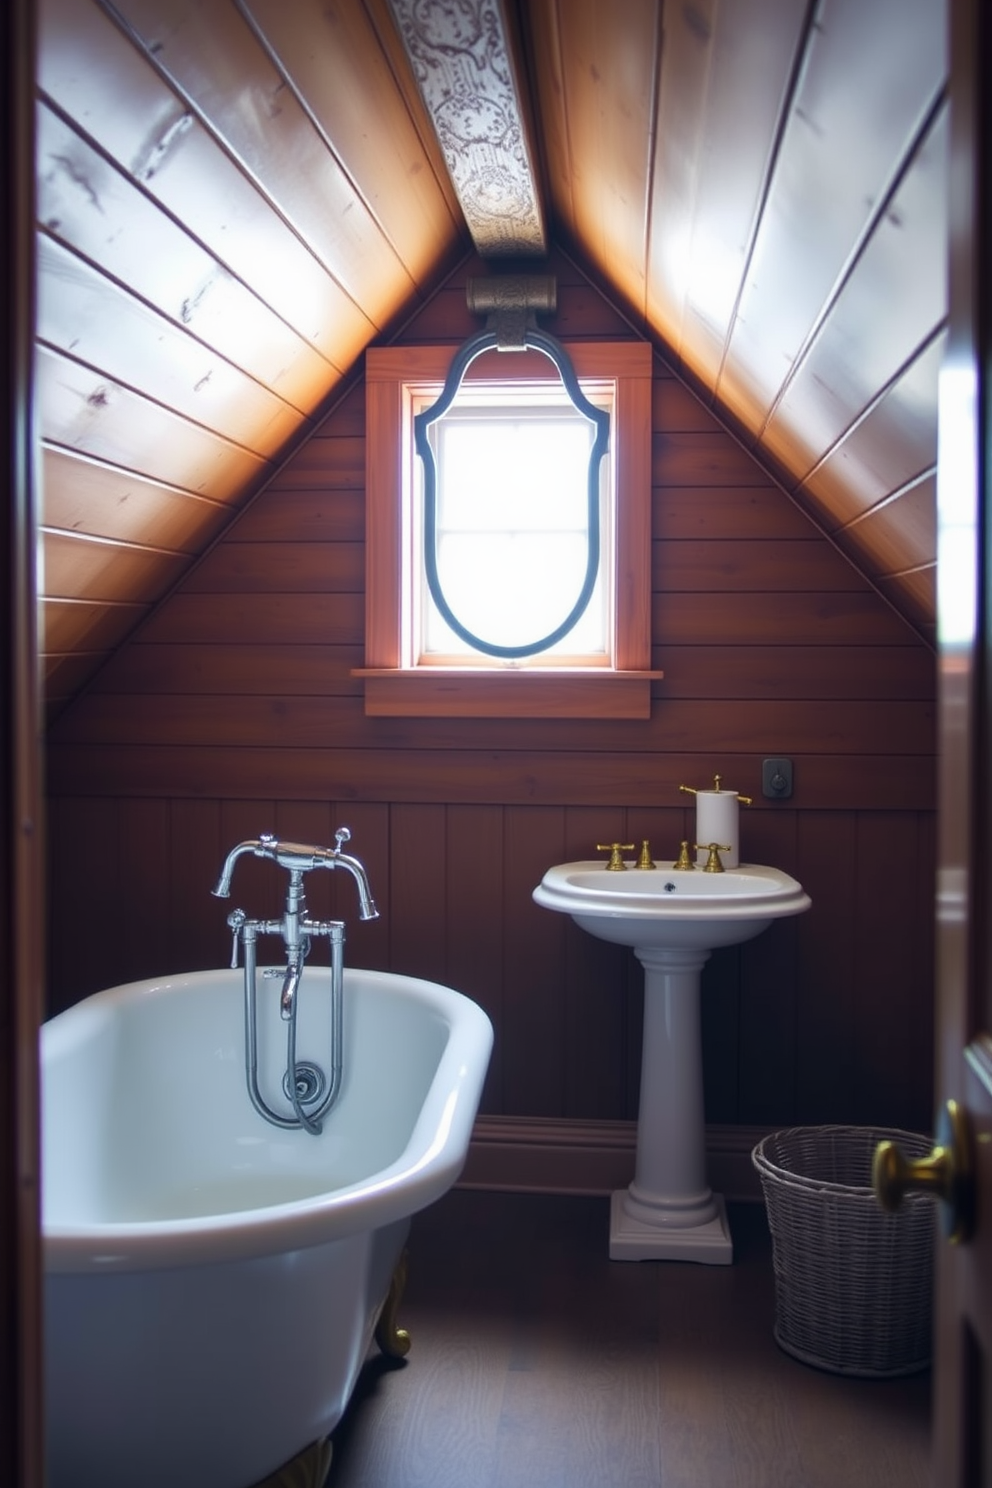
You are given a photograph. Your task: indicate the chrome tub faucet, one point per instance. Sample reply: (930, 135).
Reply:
(296, 929)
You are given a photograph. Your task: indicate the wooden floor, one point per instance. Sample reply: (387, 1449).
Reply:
(538, 1363)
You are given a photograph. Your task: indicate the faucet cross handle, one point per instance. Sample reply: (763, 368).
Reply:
(615, 850)
(713, 864)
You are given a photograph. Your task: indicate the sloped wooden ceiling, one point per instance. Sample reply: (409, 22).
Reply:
(237, 196)
(763, 182)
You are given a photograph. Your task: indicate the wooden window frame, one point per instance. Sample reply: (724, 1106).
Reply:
(392, 690)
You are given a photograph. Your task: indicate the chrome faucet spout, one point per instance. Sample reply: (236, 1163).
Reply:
(291, 983)
(258, 846)
(366, 904)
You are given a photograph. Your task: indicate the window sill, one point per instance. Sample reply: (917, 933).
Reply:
(476, 693)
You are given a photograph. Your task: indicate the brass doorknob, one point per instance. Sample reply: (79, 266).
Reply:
(947, 1173)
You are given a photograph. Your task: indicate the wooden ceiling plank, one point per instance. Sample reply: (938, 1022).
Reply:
(684, 65)
(914, 594)
(91, 206)
(87, 412)
(893, 302)
(726, 74)
(68, 626)
(899, 534)
(331, 52)
(86, 496)
(610, 80)
(885, 450)
(96, 321)
(542, 38)
(871, 75)
(213, 58)
(81, 567)
(93, 74)
(391, 44)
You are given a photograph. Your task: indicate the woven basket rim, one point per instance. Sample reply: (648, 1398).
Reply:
(869, 1135)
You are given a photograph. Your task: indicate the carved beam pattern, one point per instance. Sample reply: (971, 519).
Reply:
(461, 59)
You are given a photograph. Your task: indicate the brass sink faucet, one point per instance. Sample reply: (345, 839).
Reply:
(616, 851)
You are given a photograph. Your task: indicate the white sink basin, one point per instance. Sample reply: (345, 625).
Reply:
(677, 907)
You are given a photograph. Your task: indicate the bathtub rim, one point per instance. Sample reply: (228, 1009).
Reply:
(431, 1162)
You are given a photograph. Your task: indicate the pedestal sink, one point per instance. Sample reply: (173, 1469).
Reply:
(672, 918)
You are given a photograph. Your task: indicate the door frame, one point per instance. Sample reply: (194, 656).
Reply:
(21, 830)
(962, 1445)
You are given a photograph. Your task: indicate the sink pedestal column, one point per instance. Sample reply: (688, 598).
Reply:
(669, 1212)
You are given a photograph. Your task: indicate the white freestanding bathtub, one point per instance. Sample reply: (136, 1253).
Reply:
(212, 1281)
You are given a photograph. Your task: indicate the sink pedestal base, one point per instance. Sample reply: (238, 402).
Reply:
(633, 1239)
(669, 1213)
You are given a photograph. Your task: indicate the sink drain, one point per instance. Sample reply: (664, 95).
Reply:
(310, 1084)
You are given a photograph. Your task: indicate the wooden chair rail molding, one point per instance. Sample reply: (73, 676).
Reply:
(540, 1155)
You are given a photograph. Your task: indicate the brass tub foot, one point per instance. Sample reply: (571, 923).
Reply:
(308, 1469)
(394, 1342)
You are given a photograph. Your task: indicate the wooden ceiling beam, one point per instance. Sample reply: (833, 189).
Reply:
(462, 58)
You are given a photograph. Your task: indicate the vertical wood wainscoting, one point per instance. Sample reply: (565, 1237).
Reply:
(234, 711)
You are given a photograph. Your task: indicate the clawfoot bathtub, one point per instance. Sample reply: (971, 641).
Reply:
(212, 1282)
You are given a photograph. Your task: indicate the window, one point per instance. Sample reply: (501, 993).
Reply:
(512, 526)
(415, 662)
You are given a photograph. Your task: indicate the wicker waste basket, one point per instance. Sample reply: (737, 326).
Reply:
(852, 1283)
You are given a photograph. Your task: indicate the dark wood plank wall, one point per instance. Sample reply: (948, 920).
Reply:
(234, 712)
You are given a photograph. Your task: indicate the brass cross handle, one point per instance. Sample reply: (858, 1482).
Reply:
(615, 849)
(947, 1173)
(713, 862)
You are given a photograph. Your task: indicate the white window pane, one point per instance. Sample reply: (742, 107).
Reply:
(513, 589)
(513, 475)
(512, 526)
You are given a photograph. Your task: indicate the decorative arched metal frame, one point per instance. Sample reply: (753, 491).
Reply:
(533, 340)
